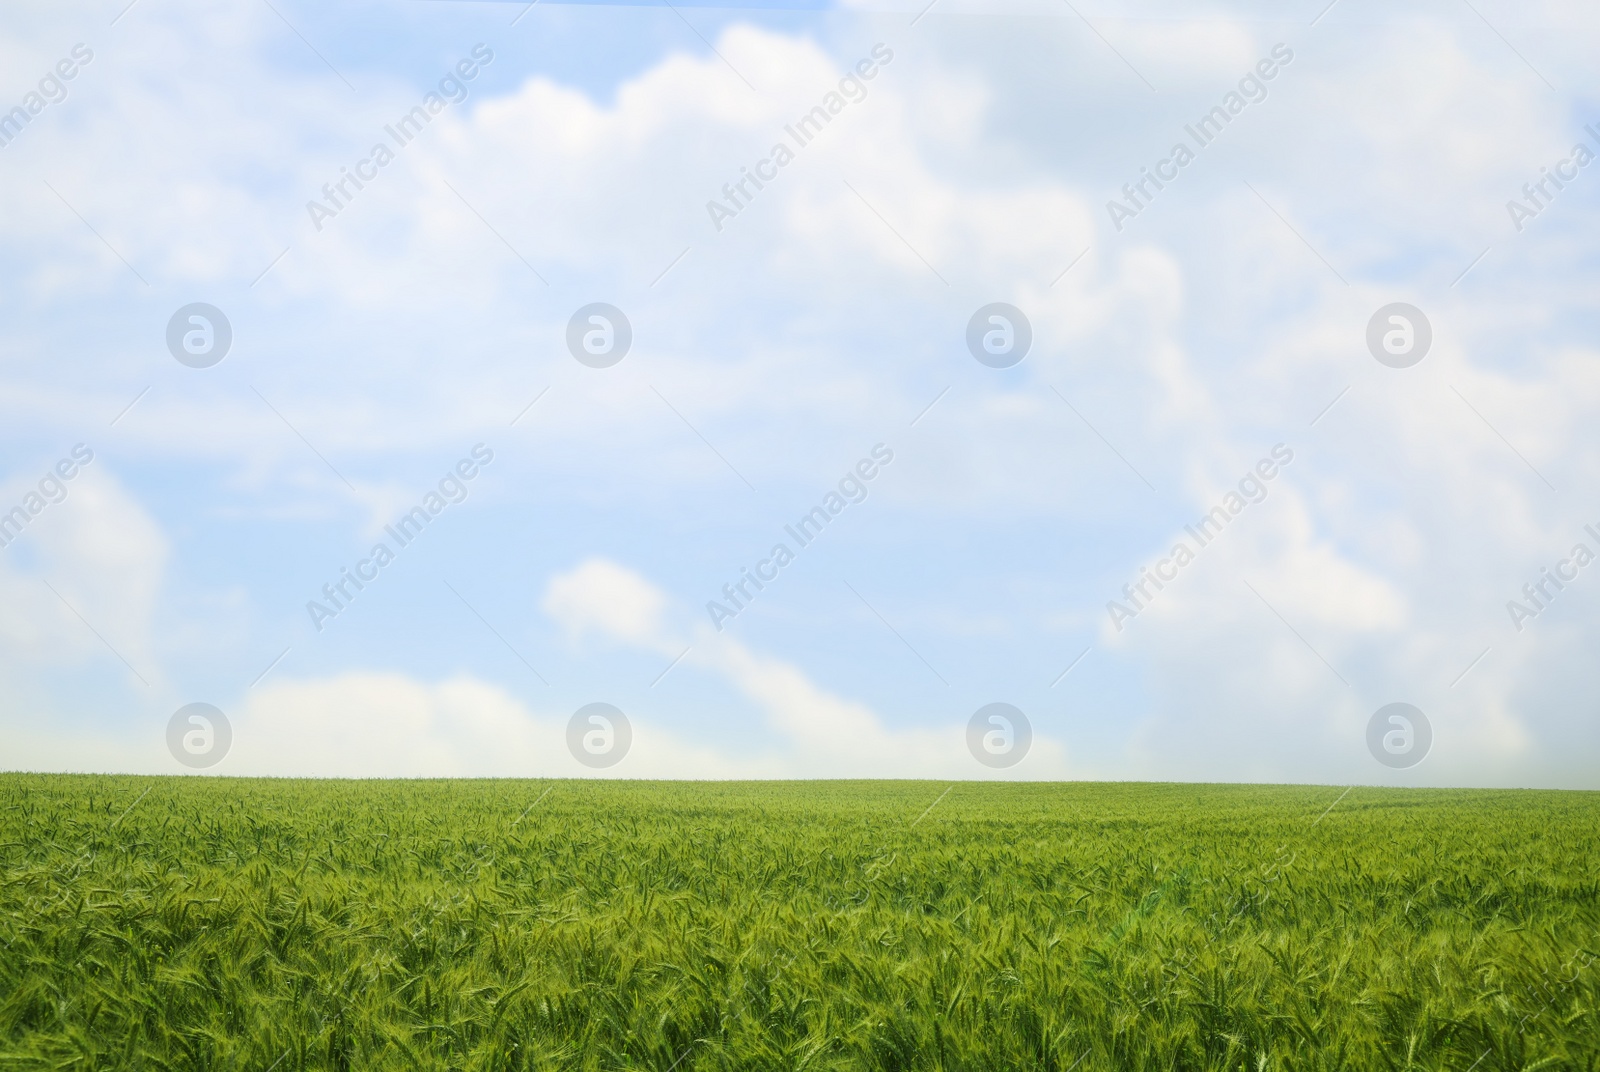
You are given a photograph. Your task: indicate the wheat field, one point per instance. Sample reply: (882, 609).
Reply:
(207, 923)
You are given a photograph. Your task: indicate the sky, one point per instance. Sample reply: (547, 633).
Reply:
(953, 320)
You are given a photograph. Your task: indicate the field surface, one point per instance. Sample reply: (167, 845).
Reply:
(203, 923)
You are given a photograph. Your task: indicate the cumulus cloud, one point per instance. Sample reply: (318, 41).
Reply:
(601, 596)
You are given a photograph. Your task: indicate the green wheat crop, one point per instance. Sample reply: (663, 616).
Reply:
(205, 923)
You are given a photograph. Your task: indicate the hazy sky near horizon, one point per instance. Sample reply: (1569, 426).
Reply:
(1186, 335)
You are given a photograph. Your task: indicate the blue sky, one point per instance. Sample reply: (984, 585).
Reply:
(1169, 357)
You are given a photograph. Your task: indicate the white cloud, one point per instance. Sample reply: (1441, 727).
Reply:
(602, 596)
(819, 734)
(106, 558)
(372, 725)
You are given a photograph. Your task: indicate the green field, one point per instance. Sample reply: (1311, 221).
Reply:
(203, 923)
